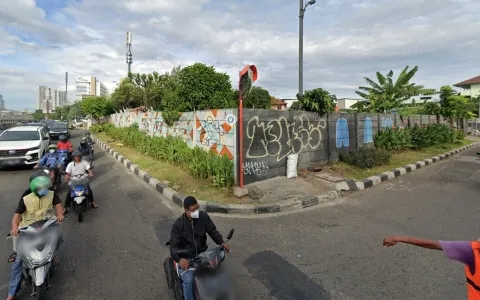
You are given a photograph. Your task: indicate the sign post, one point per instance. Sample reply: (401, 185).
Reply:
(247, 77)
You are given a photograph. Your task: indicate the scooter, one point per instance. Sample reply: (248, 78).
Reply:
(211, 282)
(79, 194)
(65, 155)
(39, 243)
(57, 174)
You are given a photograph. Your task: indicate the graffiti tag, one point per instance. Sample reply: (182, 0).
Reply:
(272, 138)
(255, 168)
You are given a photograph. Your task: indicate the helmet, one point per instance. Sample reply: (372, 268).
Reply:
(77, 153)
(40, 183)
(87, 133)
(52, 147)
(62, 138)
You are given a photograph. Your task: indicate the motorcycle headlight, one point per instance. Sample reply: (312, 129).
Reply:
(79, 193)
(36, 262)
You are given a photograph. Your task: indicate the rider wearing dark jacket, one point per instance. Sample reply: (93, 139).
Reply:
(190, 230)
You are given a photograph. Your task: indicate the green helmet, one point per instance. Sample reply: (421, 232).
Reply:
(52, 146)
(39, 183)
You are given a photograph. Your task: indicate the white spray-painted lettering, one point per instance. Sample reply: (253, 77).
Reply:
(271, 138)
(255, 168)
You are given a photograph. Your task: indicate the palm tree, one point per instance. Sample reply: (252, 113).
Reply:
(386, 94)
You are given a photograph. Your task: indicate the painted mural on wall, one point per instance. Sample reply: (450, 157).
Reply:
(367, 131)
(212, 130)
(387, 122)
(342, 134)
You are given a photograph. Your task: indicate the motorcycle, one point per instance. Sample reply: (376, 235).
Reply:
(39, 243)
(56, 172)
(211, 282)
(79, 194)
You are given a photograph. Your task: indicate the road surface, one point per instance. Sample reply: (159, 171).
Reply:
(331, 252)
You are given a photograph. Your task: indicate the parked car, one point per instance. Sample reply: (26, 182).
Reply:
(59, 128)
(23, 145)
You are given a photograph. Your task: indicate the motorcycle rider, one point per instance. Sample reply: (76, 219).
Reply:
(88, 138)
(64, 144)
(189, 233)
(84, 147)
(35, 206)
(74, 168)
(51, 160)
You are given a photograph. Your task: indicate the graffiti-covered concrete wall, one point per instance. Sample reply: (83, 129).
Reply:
(213, 130)
(269, 136)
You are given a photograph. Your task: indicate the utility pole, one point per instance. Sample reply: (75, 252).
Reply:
(129, 52)
(303, 7)
(65, 101)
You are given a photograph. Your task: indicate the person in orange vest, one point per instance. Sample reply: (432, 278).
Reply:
(466, 252)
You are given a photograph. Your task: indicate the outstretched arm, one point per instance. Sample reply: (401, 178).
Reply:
(423, 243)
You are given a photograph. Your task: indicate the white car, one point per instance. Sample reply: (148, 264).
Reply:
(23, 145)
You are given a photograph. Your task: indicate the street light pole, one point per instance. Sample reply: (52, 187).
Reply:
(303, 8)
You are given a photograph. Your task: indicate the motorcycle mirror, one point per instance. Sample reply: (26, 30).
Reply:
(230, 234)
(183, 253)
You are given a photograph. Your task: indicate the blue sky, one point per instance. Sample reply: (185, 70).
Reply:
(345, 40)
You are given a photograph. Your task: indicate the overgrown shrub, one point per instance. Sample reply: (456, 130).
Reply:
(415, 138)
(200, 163)
(367, 158)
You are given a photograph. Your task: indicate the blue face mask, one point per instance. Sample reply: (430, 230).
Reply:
(42, 192)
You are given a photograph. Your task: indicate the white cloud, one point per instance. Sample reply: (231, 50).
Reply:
(345, 40)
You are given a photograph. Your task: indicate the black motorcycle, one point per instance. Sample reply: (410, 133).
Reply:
(211, 281)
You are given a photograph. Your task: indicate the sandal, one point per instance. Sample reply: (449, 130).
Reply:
(12, 257)
(94, 206)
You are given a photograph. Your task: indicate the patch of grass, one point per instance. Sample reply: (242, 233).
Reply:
(202, 189)
(399, 159)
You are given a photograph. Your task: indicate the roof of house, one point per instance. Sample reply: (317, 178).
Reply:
(276, 101)
(468, 82)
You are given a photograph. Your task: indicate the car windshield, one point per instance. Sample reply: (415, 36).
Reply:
(19, 136)
(58, 127)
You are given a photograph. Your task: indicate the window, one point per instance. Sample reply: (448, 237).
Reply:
(20, 136)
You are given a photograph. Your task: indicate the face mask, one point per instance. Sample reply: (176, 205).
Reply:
(42, 192)
(195, 214)
(51, 151)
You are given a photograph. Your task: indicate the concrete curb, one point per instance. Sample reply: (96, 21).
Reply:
(352, 185)
(213, 207)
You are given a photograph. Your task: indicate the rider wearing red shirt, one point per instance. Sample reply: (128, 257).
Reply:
(64, 144)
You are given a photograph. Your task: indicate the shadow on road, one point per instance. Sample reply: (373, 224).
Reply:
(282, 279)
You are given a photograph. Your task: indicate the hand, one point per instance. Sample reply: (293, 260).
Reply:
(390, 241)
(184, 264)
(90, 174)
(60, 218)
(36, 167)
(14, 231)
(226, 247)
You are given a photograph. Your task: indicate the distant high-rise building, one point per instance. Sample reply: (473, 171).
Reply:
(2, 103)
(50, 98)
(89, 86)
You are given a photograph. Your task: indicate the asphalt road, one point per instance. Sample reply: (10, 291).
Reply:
(330, 252)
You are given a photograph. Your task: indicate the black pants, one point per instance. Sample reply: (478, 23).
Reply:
(68, 198)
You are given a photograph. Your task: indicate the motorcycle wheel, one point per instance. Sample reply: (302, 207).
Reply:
(41, 293)
(167, 266)
(80, 213)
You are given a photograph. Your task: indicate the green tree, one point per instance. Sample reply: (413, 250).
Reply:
(75, 111)
(96, 107)
(257, 98)
(126, 95)
(388, 94)
(454, 106)
(38, 115)
(202, 87)
(317, 100)
(432, 108)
